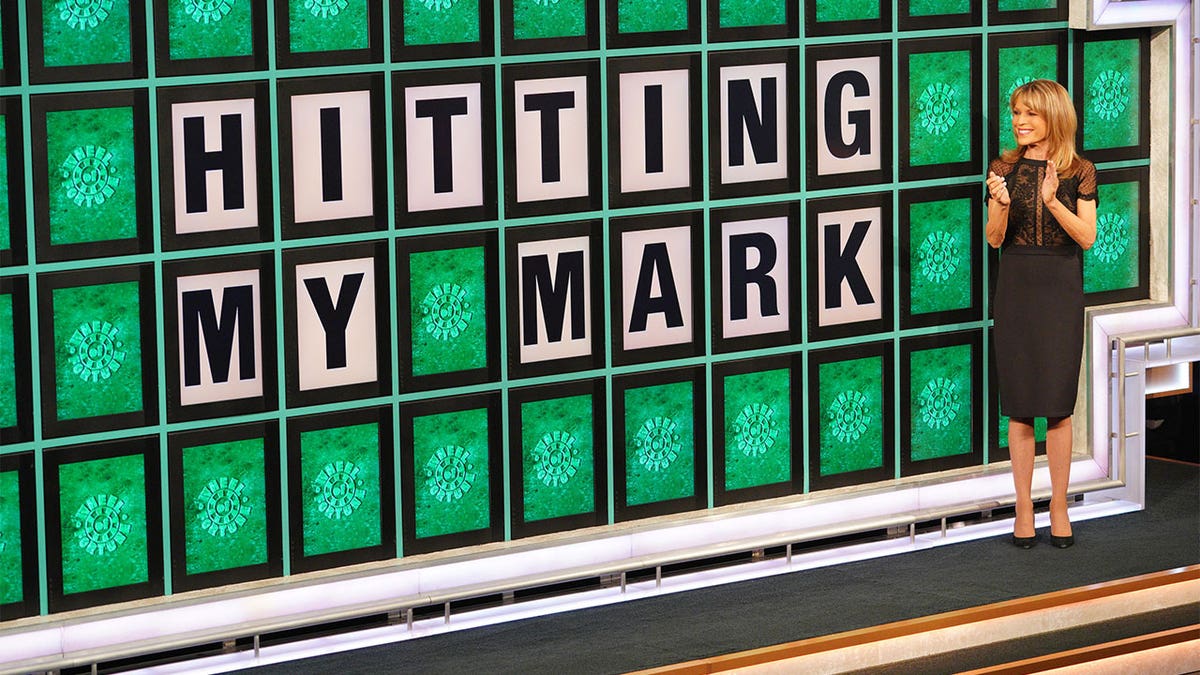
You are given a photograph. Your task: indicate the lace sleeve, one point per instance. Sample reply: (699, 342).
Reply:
(1087, 182)
(1000, 168)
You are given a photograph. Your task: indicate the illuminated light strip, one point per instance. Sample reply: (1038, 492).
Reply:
(602, 597)
(1109, 14)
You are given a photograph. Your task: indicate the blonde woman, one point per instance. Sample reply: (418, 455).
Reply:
(1042, 215)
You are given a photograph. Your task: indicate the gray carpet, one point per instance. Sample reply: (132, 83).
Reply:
(746, 615)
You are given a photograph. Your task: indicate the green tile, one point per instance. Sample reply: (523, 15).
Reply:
(1017, 66)
(11, 573)
(210, 28)
(941, 391)
(93, 175)
(758, 429)
(534, 19)
(851, 415)
(85, 32)
(644, 16)
(340, 488)
(846, 10)
(742, 13)
(660, 443)
(939, 90)
(104, 523)
(97, 350)
(8, 363)
(440, 22)
(1111, 106)
(558, 451)
(328, 25)
(449, 317)
(451, 471)
(225, 505)
(938, 7)
(1112, 263)
(940, 255)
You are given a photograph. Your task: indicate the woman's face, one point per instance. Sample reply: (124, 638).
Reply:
(1029, 126)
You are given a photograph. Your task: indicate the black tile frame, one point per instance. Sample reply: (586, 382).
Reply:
(814, 28)
(883, 201)
(599, 516)
(618, 40)
(40, 107)
(973, 338)
(53, 460)
(639, 64)
(401, 80)
(920, 195)
(287, 197)
(18, 288)
(695, 347)
(408, 473)
(264, 263)
(513, 237)
(10, 108)
(996, 17)
(699, 498)
(795, 279)
(488, 239)
(909, 48)
(178, 442)
(143, 274)
(386, 548)
(481, 47)
(907, 21)
(512, 74)
(382, 386)
(265, 231)
(10, 74)
(789, 29)
(1142, 149)
(167, 66)
(790, 56)
(795, 485)
(1000, 41)
(286, 58)
(509, 44)
(883, 350)
(1140, 175)
(815, 54)
(40, 73)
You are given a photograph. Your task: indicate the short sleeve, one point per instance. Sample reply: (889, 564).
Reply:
(1087, 182)
(1000, 168)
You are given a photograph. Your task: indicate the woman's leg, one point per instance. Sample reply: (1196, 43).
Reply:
(1020, 449)
(1058, 452)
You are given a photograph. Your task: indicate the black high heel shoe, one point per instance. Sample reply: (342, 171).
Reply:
(1026, 542)
(1062, 542)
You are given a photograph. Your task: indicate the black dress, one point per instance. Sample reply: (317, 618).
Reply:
(1038, 306)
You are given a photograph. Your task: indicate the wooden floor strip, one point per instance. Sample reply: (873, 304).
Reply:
(1094, 652)
(924, 624)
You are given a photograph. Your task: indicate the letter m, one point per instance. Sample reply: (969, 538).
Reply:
(536, 284)
(236, 321)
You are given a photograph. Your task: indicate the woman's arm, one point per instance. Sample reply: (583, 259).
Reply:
(997, 222)
(1081, 225)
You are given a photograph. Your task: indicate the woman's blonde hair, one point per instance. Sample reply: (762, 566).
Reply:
(1050, 100)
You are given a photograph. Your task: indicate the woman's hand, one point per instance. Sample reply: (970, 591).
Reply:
(1050, 183)
(998, 189)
